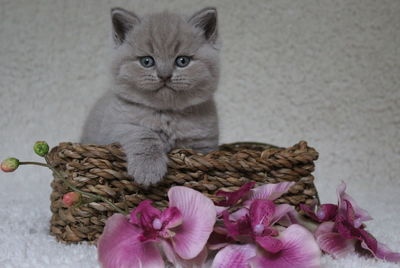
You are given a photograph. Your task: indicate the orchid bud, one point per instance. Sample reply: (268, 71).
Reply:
(41, 148)
(9, 164)
(71, 198)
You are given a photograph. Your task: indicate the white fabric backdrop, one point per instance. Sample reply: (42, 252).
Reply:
(324, 71)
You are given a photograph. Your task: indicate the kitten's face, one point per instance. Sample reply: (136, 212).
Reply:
(164, 60)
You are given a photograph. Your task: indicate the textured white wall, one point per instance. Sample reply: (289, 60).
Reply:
(324, 71)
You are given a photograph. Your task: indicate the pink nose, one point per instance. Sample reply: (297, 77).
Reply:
(164, 77)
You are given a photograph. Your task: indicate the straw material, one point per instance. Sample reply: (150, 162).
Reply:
(101, 170)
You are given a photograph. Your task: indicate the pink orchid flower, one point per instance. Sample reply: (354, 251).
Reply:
(343, 228)
(262, 244)
(325, 212)
(298, 249)
(182, 230)
(220, 238)
(257, 224)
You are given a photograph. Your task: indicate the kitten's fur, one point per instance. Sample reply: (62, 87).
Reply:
(148, 116)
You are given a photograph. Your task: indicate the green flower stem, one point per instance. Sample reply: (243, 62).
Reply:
(33, 163)
(61, 177)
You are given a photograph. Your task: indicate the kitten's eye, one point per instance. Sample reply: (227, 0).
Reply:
(147, 61)
(182, 61)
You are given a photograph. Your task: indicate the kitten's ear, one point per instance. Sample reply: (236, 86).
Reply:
(123, 21)
(206, 20)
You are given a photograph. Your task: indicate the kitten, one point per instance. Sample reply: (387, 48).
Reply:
(165, 71)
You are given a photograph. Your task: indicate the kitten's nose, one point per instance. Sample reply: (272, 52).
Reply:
(164, 77)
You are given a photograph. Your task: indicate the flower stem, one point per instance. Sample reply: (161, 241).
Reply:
(61, 177)
(33, 163)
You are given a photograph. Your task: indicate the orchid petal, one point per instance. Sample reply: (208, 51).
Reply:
(383, 252)
(120, 247)
(280, 212)
(269, 243)
(144, 213)
(143, 216)
(350, 227)
(332, 242)
(292, 217)
(178, 262)
(239, 227)
(310, 212)
(231, 198)
(240, 213)
(261, 212)
(172, 216)
(369, 240)
(268, 191)
(327, 212)
(346, 229)
(234, 256)
(326, 227)
(199, 216)
(299, 250)
(231, 228)
(336, 245)
(360, 214)
(345, 225)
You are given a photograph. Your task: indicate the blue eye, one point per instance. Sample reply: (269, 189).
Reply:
(182, 61)
(147, 61)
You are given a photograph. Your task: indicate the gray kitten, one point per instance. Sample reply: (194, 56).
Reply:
(165, 71)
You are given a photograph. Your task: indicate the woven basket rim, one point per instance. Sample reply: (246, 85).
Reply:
(101, 169)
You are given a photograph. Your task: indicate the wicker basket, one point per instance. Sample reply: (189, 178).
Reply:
(102, 170)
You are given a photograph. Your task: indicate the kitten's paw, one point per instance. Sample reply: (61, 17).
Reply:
(147, 171)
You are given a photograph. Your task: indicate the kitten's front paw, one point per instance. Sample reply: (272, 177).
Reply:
(147, 171)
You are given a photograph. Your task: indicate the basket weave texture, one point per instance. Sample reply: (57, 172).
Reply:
(101, 169)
